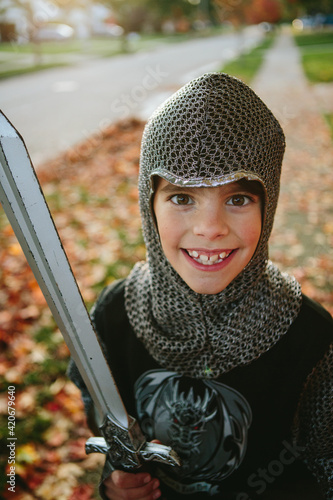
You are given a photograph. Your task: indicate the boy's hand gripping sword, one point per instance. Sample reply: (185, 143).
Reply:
(24, 203)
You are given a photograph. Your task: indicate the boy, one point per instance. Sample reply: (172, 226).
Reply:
(218, 354)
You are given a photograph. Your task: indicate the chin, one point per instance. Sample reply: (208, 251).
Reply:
(206, 289)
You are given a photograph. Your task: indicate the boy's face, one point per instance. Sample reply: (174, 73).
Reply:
(208, 234)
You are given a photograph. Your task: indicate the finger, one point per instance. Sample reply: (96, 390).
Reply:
(114, 493)
(122, 485)
(126, 480)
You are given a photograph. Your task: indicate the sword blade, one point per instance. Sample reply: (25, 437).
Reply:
(23, 201)
(25, 206)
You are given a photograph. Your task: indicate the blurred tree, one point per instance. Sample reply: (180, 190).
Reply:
(313, 6)
(259, 11)
(233, 11)
(139, 15)
(297, 8)
(130, 15)
(32, 23)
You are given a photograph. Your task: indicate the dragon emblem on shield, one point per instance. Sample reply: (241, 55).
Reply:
(204, 421)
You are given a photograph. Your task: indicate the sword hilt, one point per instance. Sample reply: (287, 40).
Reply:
(148, 452)
(128, 448)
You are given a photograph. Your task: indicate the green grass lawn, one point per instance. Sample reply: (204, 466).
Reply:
(317, 55)
(246, 66)
(316, 38)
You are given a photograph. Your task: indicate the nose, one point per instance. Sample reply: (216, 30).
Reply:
(211, 223)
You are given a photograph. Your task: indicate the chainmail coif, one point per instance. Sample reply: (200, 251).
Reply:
(213, 131)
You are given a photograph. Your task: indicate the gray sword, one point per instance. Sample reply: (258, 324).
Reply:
(23, 201)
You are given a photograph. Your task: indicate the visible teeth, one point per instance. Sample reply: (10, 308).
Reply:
(208, 260)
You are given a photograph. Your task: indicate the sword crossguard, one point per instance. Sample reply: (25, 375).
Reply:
(128, 448)
(160, 453)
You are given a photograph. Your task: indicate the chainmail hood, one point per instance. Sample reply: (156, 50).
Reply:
(213, 131)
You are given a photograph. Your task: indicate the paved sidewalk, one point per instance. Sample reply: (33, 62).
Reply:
(306, 204)
(283, 86)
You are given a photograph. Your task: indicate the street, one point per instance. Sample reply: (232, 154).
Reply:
(55, 109)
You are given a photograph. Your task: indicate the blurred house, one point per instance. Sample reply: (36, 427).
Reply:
(43, 20)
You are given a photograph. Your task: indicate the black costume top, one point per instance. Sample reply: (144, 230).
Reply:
(233, 433)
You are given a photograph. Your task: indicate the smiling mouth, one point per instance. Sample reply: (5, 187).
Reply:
(209, 260)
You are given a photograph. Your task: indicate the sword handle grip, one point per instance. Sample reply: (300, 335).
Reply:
(127, 448)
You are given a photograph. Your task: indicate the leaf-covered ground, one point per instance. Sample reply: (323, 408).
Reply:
(92, 194)
(91, 191)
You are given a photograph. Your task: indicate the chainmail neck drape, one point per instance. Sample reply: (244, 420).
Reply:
(213, 131)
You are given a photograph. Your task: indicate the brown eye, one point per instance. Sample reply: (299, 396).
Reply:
(238, 200)
(181, 199)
